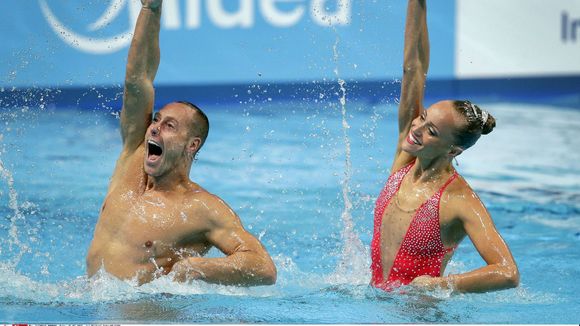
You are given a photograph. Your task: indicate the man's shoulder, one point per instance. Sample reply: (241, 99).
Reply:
(196, 194)
(128, 172)
(132, 155)
(206, 204)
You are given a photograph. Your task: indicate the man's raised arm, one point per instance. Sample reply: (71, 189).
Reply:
(142, 66)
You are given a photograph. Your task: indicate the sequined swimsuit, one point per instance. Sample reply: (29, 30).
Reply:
(421, 251)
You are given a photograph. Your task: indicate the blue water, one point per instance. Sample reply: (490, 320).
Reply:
(282, 167)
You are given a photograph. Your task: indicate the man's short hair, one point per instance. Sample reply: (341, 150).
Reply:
(200, 126)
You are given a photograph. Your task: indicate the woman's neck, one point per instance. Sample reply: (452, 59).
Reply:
(425, 170)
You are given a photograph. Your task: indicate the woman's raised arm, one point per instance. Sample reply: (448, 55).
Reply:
(415, 67)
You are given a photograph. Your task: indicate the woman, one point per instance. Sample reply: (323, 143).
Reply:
(426, 208)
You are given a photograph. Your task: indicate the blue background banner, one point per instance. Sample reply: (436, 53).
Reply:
(74, 52)
(64, 43)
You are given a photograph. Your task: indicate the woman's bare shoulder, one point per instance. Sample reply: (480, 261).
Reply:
(460, 200)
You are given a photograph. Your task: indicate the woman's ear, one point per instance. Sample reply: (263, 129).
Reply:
(455, 151)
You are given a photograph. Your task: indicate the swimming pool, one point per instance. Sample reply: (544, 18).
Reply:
(281, 166)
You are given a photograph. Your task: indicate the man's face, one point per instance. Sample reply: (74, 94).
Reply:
(168, 142)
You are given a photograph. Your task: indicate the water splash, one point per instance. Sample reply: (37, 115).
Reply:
(14, 242)
(353, 262)
(104, 287)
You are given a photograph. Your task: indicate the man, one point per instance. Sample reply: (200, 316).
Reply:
(154, 219)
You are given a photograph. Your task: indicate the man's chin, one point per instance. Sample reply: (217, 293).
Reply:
(150, 170)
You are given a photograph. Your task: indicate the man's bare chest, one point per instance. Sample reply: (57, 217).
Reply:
(141, 219)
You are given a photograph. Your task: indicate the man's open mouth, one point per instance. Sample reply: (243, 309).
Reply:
(154, 150)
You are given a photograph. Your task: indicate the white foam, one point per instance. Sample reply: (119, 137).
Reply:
(570, 223)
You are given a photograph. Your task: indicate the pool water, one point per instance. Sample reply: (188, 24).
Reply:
(283, 168)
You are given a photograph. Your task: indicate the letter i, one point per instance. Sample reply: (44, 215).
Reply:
(564, 26)
(193, 14)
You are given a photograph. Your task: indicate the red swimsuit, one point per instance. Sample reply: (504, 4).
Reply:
(421, 252)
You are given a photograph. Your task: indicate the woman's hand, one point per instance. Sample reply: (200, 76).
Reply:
(152, 4)
(429, 283)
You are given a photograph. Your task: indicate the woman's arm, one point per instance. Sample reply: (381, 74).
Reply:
(500, 272)
(415, 67)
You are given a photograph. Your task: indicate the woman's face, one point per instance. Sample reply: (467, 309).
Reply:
(432, 132)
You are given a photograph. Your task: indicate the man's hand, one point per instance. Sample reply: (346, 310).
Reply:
(185, 271)
(153, 4)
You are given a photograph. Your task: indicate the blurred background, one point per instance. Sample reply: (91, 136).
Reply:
(212, 50)
(302, 97)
